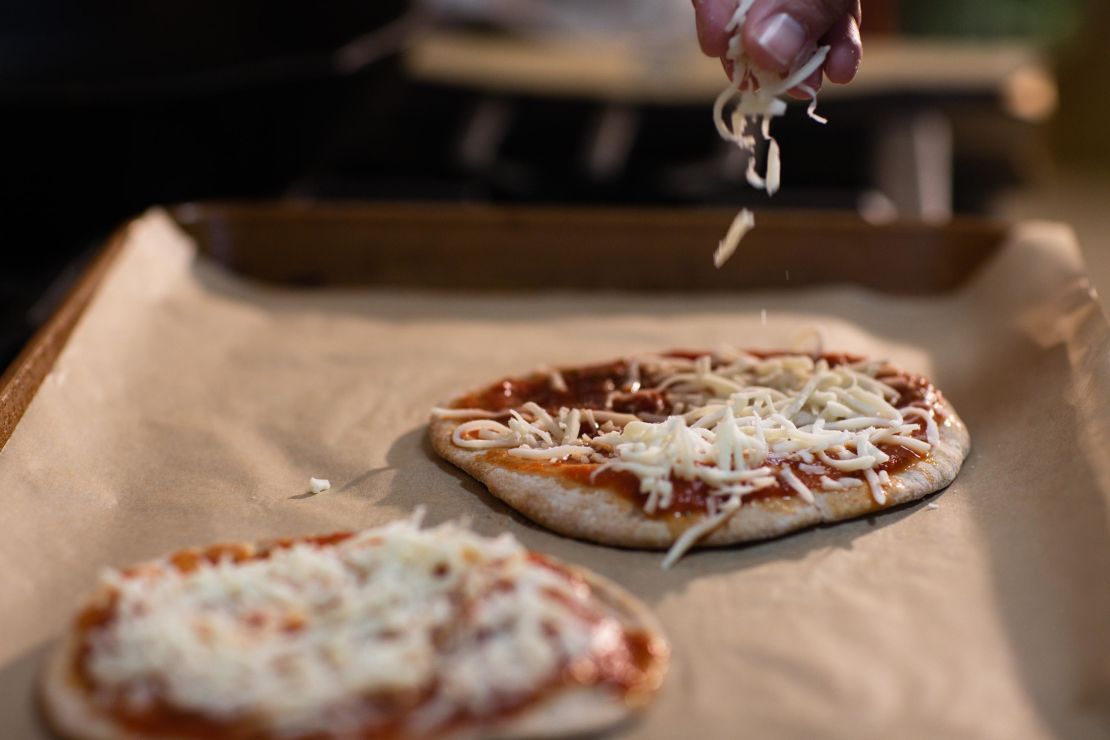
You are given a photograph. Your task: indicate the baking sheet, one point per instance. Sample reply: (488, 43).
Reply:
(191, 406)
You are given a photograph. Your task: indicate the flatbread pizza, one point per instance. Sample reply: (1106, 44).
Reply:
(392, 632)
(683, 449)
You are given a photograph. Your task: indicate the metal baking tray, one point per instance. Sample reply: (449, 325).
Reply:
(279, 350)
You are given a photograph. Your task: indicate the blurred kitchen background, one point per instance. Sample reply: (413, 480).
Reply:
(984, 107)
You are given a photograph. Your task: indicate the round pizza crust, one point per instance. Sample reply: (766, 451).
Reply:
(597, 514)
(575, 711)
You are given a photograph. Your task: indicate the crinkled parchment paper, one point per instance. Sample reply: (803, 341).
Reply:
(192, 406)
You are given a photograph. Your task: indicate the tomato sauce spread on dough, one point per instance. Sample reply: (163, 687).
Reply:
(612, 387)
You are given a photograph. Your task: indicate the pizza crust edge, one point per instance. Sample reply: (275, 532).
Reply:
(605, 517)
(62, 702)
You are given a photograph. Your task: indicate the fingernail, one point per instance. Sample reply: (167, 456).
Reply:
(783, 38)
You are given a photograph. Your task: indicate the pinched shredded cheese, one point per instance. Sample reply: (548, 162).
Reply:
(758, 95)
(746, 422)
(309, 636)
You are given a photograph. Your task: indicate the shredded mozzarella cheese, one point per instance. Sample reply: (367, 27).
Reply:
(741, 225)
(304, 636)
(758, 94)
(748, 418)
(839, 484)
(558, 383)
(690, 537)
(794, 482)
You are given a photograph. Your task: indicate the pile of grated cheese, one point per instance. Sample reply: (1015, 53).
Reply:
(759, 99)
(742, 424)
(305, 635)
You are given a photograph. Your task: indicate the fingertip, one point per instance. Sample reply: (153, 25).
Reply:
(773, 42)
(843, 63)
(846, 53)
(711, 17)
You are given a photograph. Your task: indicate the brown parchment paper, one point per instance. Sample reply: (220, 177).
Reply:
(193, 407)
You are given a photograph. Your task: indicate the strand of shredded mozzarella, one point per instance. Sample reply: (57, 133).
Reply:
(749, 420)
(741, 225)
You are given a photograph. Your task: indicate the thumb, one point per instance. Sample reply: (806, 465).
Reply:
(778, 32)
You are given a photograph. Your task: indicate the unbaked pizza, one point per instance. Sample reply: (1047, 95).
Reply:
(683, 449)
(390, 632)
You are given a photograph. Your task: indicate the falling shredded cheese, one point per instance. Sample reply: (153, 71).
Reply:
(318, 485)
(758, 95)
(305, 636)
(745, 420)
(741, 225)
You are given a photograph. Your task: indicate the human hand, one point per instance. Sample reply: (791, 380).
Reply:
(778, 34)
